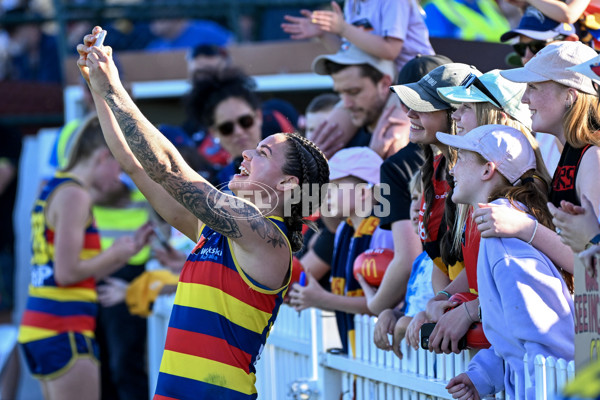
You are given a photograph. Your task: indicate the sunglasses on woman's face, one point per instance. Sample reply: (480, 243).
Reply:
(534, 46)
(245, 121)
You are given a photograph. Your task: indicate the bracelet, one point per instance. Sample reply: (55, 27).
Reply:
(469, 314)
(534, 232)
(444, 292)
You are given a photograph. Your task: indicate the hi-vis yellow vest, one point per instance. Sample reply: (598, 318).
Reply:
(113, 223)
(488, 26)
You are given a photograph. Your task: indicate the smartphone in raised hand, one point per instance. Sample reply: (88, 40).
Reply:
(100, 36)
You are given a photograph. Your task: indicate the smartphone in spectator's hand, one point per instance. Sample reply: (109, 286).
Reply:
(426, 330)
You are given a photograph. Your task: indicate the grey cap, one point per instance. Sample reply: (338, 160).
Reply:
(422, 96)
(352, 55)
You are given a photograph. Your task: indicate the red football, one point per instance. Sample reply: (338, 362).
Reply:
(475, 337)
(372, 264)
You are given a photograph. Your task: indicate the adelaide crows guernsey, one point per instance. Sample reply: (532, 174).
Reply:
(219, 325)
(53, 309)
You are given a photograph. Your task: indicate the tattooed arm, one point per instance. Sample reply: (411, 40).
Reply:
(262, 242)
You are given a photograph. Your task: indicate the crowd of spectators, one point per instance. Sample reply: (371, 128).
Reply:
(478, 181)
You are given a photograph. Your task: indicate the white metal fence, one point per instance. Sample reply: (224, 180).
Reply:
(296, 356)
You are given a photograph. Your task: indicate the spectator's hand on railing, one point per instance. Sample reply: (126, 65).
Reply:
(577, 224)
(301, 28)
(448, 331)
(385, 326)
(330, 21)
(112, 292)
(412, 337)
(461, 387)
(399, 333)
(302, 297)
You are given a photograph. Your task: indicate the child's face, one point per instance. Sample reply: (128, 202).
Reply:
(341, 197)
(415, 206)
(465, 118)
(466, 173)
(313, 120)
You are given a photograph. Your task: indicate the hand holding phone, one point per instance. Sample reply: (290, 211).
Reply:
(100, 36)
(427, 329)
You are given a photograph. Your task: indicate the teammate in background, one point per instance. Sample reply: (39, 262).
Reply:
(57, 329)
(234, 281)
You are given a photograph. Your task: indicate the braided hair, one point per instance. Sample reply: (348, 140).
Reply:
(308, 163)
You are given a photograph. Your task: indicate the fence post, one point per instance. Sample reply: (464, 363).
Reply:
(540, 378)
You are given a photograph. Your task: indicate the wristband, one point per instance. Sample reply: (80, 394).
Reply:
(468, 313)
(445, 293)
(593, 241)
(534, 232)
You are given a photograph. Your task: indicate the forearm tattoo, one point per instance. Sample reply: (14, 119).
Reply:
(200, 200)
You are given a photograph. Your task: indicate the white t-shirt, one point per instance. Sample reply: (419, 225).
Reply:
(401, 19)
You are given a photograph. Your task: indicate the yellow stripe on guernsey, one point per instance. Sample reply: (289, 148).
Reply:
(30, 333)
(63, 293)
(200, 369)
(113, 223)
(215, 300)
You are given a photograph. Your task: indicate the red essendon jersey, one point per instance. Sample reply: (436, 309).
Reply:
(470, 251)
(436, 226)
(563, 182)
(52, 309)
(219, 325)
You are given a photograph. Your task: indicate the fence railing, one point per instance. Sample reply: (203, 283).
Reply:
(296, 365)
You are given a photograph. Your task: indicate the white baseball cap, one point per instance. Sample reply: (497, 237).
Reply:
(501, 92)
(506, 147)
(552, 63)
(360, 162)
(349, 55)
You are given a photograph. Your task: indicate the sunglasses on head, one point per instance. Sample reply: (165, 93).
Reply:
(534, 46)
(245, 121)
(473, 80)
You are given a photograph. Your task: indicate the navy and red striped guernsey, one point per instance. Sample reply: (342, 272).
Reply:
(219, 325)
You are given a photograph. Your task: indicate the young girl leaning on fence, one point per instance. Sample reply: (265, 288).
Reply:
(526, 306)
